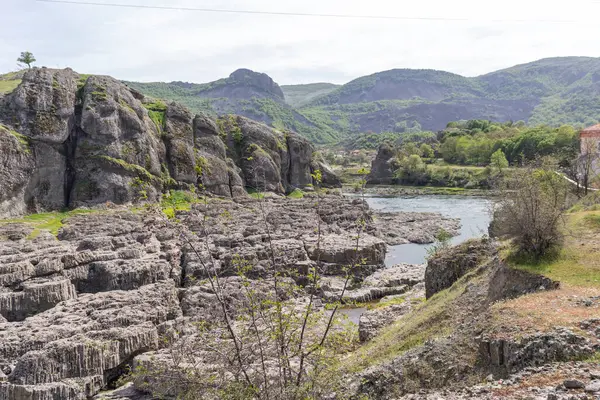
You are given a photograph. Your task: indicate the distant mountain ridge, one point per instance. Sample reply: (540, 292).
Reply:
(555, 91)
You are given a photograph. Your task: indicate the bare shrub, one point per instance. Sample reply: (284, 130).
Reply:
(530, 209)
(265, 338)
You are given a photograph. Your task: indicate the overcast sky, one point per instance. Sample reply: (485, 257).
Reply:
(163, 45)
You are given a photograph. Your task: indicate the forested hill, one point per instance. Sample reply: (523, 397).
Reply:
(551, 91)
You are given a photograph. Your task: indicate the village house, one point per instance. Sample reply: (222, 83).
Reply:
(589, 159)
(590, 139)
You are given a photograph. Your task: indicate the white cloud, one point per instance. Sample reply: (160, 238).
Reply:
(141, 44)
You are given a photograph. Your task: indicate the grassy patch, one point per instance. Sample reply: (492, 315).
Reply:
(177, 200)
(51, 222)
(387, 303)
(22, 139)
(255, 193)
(429, 320)
(8, 86)
(542, 312)
(141, 172)
(577, 263)
(296, 194)
(593, 221)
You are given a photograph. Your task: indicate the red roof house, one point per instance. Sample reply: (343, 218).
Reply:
(590, 139)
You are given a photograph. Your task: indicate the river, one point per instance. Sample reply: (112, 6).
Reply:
(473, 213)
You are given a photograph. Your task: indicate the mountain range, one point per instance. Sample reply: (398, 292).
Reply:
(553, 91)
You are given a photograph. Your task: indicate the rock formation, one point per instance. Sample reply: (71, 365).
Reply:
(76, 309)
(382, 167)
(71, 140)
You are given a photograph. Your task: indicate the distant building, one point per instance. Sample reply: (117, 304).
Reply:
(590, 139)
(589, 159)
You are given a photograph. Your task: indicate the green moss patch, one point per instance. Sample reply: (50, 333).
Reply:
(22, 139)
(157, 111)
(51, 222)
(296, 194)
(141, 172)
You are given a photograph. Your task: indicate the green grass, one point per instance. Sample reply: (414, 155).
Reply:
(387, 303)
(429, 320)
(178, 200)
(296, 194)
(577, 263)
(255, 194)
(51, 222)
(22, 139)
(157, 112)
(8, 86)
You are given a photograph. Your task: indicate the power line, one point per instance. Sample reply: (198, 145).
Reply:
(296, 14)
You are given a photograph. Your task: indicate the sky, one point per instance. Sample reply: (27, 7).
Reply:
(168, 45)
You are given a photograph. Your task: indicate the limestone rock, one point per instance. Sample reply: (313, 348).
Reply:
(593, 387)
(36, 296)
(16, 168)
(119, 151)
(42, 108)
(339, 249)
(411, 227)
(448, 266)
(179, 142)
(382, 168)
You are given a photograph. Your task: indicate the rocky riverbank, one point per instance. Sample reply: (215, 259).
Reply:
(78, 308)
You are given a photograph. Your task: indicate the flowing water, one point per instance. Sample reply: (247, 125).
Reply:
(473, 213)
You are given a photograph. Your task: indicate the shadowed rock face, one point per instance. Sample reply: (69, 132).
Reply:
(70, 140)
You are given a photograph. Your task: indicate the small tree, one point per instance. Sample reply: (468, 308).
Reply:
(26, 58)
(531, 209)
(498, 161)
(427, 150)
(413, 170)
(587, 164)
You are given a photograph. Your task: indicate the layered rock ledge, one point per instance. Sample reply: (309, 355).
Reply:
(77, 309)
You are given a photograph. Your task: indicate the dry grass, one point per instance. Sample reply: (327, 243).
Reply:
(549, 379)
(576, 266)
(541, 312)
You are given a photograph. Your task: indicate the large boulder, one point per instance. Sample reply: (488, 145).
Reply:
(215, 172)
(448, 266)
(119, 150)
(382, 167)
(42, 108)
(270, 160)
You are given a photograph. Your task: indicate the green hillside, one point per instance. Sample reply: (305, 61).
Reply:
(300, 95)
(552, 91)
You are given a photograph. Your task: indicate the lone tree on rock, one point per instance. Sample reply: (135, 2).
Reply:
(26, 58)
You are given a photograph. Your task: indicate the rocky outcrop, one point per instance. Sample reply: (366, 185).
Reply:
(16, 167)
(271, 160)
(42, 108)
(72, 140)
(447, 267)
(412, 227)
(382, 167)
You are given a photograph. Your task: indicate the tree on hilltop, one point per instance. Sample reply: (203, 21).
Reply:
(26, 58)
